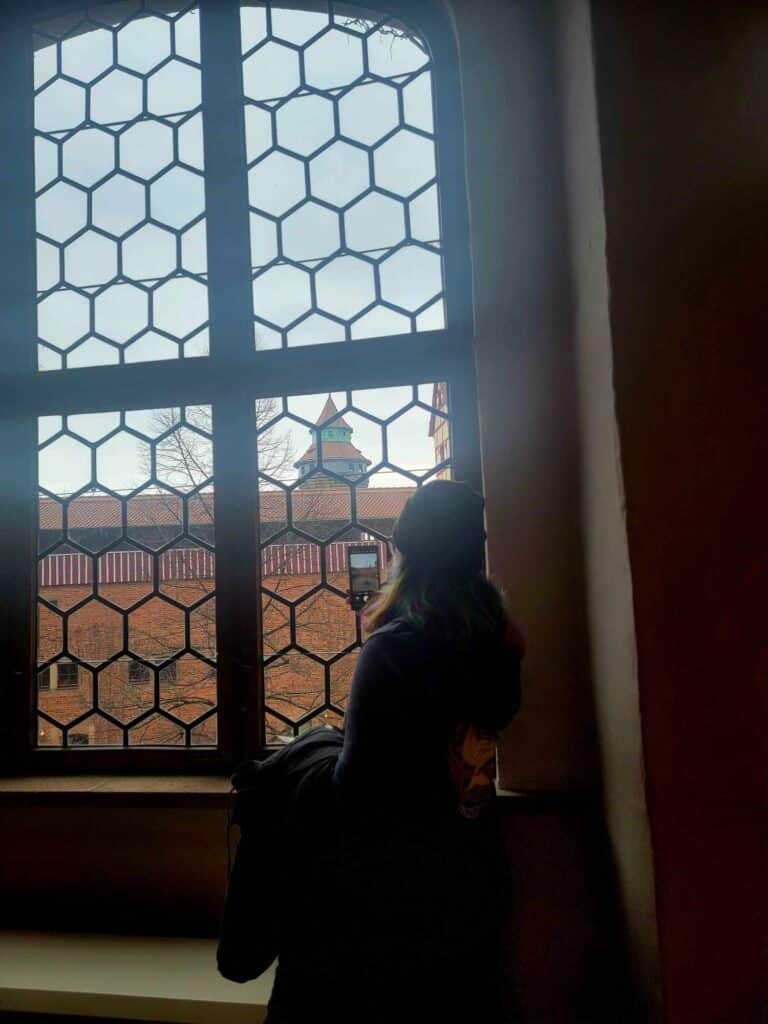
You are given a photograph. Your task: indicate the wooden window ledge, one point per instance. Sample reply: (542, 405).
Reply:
(124, 977)
(130, 790)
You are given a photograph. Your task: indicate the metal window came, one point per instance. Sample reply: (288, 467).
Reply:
(236, 326)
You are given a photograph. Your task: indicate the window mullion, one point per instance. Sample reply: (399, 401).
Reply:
(234, 421)
(18, 435)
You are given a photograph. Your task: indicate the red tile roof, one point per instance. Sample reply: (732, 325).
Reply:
(316, 503)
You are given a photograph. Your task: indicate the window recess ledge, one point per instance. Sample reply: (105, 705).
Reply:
(116, 790)
(124, 977)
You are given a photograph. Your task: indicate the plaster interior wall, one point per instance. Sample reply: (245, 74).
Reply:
(682, 96)
(606, 553)
(526, 378)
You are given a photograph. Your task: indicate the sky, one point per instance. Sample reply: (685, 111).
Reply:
(174, 198)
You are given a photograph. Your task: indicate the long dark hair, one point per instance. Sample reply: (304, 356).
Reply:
(436, 581)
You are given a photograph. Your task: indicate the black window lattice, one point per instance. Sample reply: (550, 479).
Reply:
(133, 617)
(345, 233)
(339, 124)
(311, 636)
(120, 205)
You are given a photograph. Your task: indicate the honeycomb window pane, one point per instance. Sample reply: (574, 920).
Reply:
(335, 471)
(126, 622)
(119, 171)
(340, 144)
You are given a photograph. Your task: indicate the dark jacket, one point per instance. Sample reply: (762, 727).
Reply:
(352, 862)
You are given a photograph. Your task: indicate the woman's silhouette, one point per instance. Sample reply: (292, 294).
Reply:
(391, 876)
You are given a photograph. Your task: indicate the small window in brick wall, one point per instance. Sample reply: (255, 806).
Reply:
(138, 673)
(79, 739)
(44, 679)
(66, 677)
(168, 674)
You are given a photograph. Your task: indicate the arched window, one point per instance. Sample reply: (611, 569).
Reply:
(237, 337)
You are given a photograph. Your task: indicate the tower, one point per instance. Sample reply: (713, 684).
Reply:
(339, 455)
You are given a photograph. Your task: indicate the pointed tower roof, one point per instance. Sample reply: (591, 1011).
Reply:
(331, 413)
(334, 449)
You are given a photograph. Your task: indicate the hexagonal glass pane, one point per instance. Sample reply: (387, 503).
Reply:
(61, 211)
(95, 632)
(89, 260)
(177, 198)
(156, 630)
(294, 685)
(156, 731)
(65, 691)
(150, 252)
(291, 567)
(334, 60)
(123, 462)
(118, 205)
(411, 277)
(86, 55)
(142, 44)
(64, 575)
(180, 307)
(369, 112)
(187, 688)
(392, 52)
(345, 287)
(59, 107)
(297, 26)
(155, 517)
(184, 461)
(304, 124)
(64, 466)
(82, 532)
(310, 233)
(121, 312)
(404, 163)
(62, 318)
(146, 148)
(276, 183)
(116, 98)
(339, 174)
(281, 295)
(126, 689)
(88, 156)
(325, 624)
(375, 222)
(125, 575)
(173, 89)
(271, 72)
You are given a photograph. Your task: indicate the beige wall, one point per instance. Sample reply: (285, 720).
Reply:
(609, 581)
(526, 378)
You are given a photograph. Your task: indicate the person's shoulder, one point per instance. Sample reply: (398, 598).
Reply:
(398, 638)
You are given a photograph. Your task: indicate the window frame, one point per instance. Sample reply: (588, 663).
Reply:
(230, 379)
